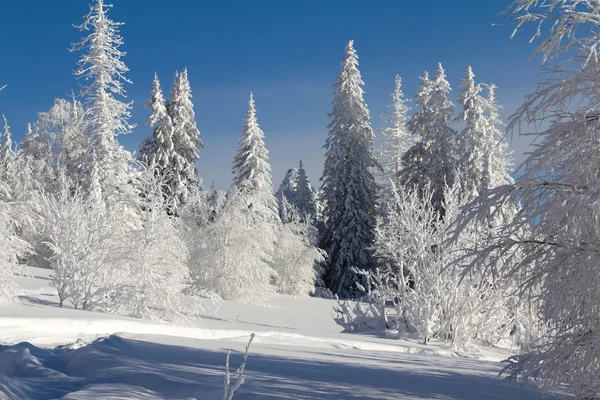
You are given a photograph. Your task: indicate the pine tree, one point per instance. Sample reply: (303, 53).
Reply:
(6, 147)
(473, 141)
(498, 167)
(107, 114)
(398, 140)
(251, 169)
(432, 160)
(156, 150)
(305, 197)
(186, 141)
(349, 189)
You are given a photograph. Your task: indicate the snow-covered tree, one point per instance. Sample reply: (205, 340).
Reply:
(557, 231)
(232, 256)
(297, 260)
(305, 200)
(57, 144)
(286, 196)
(432, 160)
(349, 189)
(251, 168)
(398, 140)
(160, 267)
(12, 248)
(88, 253)
(186, 141)
(432, 298)
(156, 150)
(484, 159)
(106, 111)
(472, 141)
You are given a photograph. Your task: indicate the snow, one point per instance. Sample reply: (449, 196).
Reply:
(298, 353)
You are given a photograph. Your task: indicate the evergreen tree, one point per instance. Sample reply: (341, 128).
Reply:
(473, 141)
(305, 197)
(107, 114)
(286, 196)
(432, 160)
(186, 141)
(156, 150)
(398, 139)
(499, 162)
(251, 169)
(349, 189)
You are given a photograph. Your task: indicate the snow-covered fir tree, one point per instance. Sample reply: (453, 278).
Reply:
(349, 189)
(286, 196)
(499, 162)
(156, 150)
(251, 168)
(432, 160)
(305, 197)
(472, 141)
(103, 72)
(398, 140)
(186, 141)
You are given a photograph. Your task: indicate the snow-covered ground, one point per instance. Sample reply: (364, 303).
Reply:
(299, 353)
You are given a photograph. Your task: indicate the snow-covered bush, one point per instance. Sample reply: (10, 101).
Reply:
(296, 259)
(420, 288)
(89, 255)
(11, 249)
(159, 267)
(232, 256)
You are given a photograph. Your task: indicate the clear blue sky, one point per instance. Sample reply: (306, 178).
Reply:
(286, 52)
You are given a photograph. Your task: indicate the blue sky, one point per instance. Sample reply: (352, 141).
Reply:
(286, 52)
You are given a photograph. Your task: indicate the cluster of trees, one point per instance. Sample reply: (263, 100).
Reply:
(431, 231)
(140, 234)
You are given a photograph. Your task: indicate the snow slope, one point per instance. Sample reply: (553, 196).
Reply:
(299, 353)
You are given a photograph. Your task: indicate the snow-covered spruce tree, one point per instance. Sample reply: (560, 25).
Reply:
(305, 197)
(484, 158)
(186, 142)
(472, 141)
(557, 231)
(286, 196)
(499, 163)
(156, 150)
(251, 169)
(398, 139)
(106, 112)
(160, 266)
(432, 160)
(349, 189)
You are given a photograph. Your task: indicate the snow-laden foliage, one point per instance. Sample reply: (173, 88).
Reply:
(557, 232)
(107, 113)
(160, 257)
(397, 138)
(297, 260)
(286, 196)
(349, 189)
(186, 141)
(432, 160)
(232, 256)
